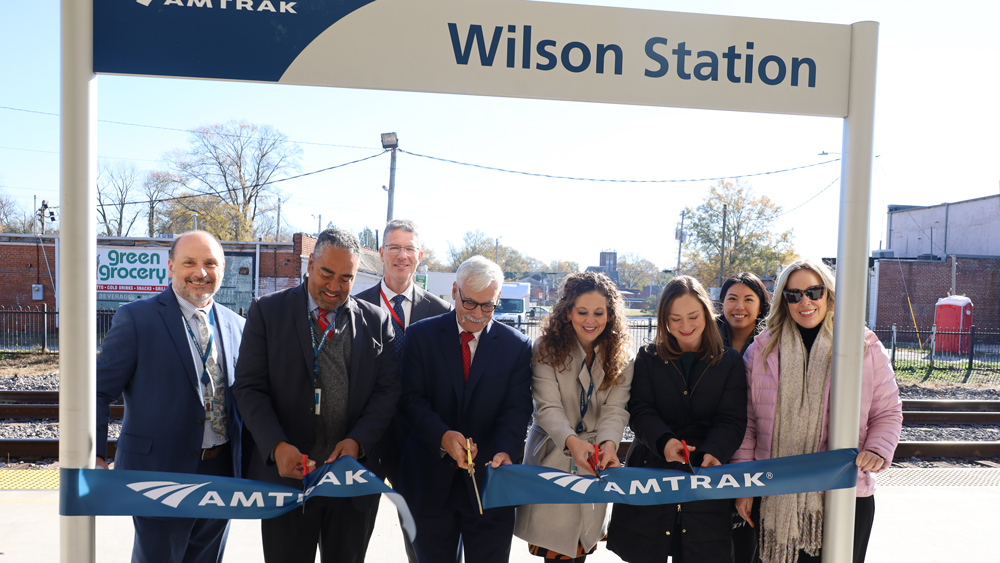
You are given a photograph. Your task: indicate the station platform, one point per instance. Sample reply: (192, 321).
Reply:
(927, 515)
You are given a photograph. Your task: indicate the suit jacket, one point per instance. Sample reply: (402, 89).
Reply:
(146, 356)
(274, 380)
(425, 304)
(493, 408)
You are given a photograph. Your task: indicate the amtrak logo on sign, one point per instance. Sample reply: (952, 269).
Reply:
(249, 5)
(253, 40)
(156, 489)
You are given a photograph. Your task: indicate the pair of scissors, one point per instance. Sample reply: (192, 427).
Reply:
(472, 472)
(687, 454)
(594, 460)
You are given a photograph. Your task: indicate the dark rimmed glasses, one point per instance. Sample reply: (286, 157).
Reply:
(471, 305)
(814, 293)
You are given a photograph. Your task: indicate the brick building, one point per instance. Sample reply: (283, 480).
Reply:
(936, 251)
(253, 268)
(926, 281)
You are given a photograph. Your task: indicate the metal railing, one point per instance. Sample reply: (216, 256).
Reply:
(36, 329)
(927, 350)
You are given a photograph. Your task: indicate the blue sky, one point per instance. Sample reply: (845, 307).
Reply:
(936, 124)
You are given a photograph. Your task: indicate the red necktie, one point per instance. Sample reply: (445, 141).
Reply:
(466, 353)
(323, 321)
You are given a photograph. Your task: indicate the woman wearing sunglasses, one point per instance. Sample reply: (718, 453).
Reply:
(788, 373)
(688, 409)
(582, 371)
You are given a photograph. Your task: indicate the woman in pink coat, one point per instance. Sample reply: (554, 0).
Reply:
(788, 380)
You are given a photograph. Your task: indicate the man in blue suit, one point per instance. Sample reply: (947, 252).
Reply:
(174, 358)
(464, 377)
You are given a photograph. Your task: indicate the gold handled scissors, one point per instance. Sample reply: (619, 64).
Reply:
(472, 472)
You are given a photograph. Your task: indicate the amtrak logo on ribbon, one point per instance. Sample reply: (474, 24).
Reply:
(563, 480)
(512, 485)
(165, 487)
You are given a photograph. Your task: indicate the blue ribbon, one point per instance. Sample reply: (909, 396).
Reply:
(99, 492)
(511, 485)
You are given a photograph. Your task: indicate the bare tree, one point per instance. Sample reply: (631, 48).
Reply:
(237, 162)
(13, 218)
(117, 190)
(157, 186)
(635, 271)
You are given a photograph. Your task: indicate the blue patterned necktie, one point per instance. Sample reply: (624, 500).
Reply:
(397, 307)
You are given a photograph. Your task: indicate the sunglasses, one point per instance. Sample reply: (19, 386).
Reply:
(814, 293)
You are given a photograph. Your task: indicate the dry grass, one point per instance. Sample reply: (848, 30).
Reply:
(28, 364)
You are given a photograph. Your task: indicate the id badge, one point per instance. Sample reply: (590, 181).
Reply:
(209, 413)
(316, 399)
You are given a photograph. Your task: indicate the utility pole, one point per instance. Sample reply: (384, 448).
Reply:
(681, 237)
(194, 221)
(277, 226)
(391, 141)
(152, 210)
(722, 246)
(496, 251)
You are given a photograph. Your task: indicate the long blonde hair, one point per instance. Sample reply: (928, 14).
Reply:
(778, 319)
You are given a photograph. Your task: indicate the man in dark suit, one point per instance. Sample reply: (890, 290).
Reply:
(464, 377)
(174, 357)
(405, 303)
(317, 376)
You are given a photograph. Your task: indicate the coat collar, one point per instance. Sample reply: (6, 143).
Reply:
(596, 372)
(170, 312)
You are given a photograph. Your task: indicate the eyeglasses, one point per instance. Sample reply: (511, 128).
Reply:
(471, 305)
(396, 249)
(814, 293)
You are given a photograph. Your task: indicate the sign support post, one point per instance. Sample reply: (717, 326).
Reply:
(78, 245)
(852, 281)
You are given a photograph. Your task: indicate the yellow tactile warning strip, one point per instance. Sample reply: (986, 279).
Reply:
(24, 479)
(945, 477)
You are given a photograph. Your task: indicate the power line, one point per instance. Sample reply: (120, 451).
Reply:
(98, 156)
(579, 179)
(221, 196)
(810, 199)
(177, 129)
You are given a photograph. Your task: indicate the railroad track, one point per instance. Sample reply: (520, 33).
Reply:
(40, 405)
(46, 449)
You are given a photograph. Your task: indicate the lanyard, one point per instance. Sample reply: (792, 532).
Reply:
(318, 346)
(206, 380)
(584, 399)
(391, 310)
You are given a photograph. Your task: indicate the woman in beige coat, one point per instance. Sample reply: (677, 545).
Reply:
(582, 372)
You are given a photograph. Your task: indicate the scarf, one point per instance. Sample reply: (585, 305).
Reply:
(790, 523)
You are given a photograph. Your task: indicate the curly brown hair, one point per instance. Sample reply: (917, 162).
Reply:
(558, 337)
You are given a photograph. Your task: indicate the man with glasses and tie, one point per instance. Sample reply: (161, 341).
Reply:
(405, 303)
(174, 358)
(466, 393)
(317, 377)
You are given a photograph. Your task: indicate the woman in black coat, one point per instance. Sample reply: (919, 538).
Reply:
(686, 386)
